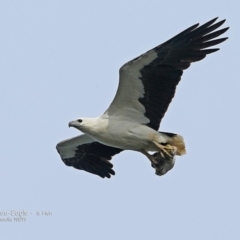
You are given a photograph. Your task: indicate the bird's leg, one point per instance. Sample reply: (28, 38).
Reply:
(167, 149)
(150, 157)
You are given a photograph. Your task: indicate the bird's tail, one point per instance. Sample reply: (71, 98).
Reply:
(176, 141)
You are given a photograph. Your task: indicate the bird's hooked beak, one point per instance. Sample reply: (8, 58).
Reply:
(72, 124)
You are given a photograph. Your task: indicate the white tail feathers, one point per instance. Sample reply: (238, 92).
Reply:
(176, 141)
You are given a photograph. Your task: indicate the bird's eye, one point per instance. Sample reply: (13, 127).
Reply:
(79, 120)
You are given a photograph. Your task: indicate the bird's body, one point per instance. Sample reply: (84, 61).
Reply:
(121, 134)
(146, 87)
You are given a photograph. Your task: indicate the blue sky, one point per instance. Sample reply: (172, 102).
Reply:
(59, 61)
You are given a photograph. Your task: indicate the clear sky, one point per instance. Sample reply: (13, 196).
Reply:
(59, 61)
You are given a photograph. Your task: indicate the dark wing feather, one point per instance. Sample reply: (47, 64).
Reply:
(162, 75)
(92, 157)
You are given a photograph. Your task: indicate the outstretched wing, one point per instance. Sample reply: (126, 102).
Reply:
(84, 153)
(148, 83)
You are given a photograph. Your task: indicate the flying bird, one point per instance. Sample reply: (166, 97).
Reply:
(147, 85)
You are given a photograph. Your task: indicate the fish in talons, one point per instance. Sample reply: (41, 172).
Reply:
(165, 160)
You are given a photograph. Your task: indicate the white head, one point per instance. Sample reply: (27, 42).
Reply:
(83, 124)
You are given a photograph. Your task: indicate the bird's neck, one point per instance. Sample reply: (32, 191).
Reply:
(94, 126)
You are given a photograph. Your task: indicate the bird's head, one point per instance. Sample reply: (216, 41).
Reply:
(80, 124)
(76, 123)
(83, 124)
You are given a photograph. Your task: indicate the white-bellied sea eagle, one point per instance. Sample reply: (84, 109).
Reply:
(146, 87)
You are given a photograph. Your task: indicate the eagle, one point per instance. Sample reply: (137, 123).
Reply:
(147, 85)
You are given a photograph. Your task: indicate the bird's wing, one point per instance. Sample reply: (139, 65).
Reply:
(84, 153)
(147, 83)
